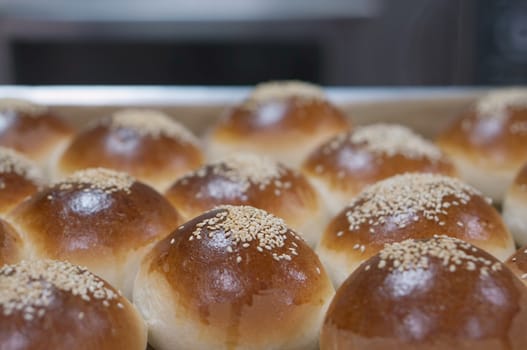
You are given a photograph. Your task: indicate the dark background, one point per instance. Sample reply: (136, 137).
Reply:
(404, 42)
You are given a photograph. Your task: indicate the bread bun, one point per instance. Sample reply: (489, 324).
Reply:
(55, 305)
(410, 206)
(342, 166)
(255, 180)
(98, 218)
(487, 142)
(11, 245)
(233, 278)
(515, 207)
(518, 264)
(32, 130)
(145, 143)
(19, 179)
(284, 120)
(436, 294)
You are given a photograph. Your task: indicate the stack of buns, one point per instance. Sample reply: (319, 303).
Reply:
(134, 229)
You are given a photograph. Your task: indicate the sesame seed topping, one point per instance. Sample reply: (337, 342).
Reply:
(150, 123)
(98, 178)
(12, 161)
(405, 198)
(246, 169)
(245, 226)
(28, 286)
(496, 103)
(21, 106)
(387, 139)
(280, 90)
(453, 253)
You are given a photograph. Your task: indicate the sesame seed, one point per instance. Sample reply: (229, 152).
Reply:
(386, 139)
(495, 104)
(103, 179)
(454, 254)
(281, 90)
(243, 224)
(28, 286)
(14, 162)
(21, 106)
(238, 259)
(407, 195)
(150, 123)
(245, 170)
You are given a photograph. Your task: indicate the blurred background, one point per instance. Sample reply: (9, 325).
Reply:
(242, 42)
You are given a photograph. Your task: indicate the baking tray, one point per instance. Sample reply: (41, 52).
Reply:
(426, 110)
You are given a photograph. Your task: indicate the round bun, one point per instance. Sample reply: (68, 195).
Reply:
(11, 245)
(49, 304)
(342, 166)
(436, 294)
(98, 218)
(284, 120)
(255, 180)
(518, 263)
(19, 179)
(487, 142)
(515, 207)
(233, 278)
(32, 130)
(410, 206)
(147, 144)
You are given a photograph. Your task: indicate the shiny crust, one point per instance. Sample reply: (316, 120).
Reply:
(346, 178)
(11, 246)
(261, 291)
(36, 136)
(296, 203)
(488, 143)
(427, 309)
(14, 190)
(518, 264)
(481, 225)
(70, 322)
(109, 232)
(157, 161)
(83, 223)
(296, 123)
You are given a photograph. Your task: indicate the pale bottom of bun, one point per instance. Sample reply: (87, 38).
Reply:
(51, 166)
(335, 201)
(493, 183)
(173, 326)
(313, 226)
(515, 216)
(119, 272)
(338, 265)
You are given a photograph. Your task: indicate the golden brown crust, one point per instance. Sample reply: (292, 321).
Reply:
(294, 121)
(155, 159)
(239, 180)
(14, 189)
(214, 276)
(61, 319)
(346, 165)
(491, 143)
(11, 246)
(518, 263)
(35, 135)
(86, 223)
(415, 206)
(461, 298)
(521, 177)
